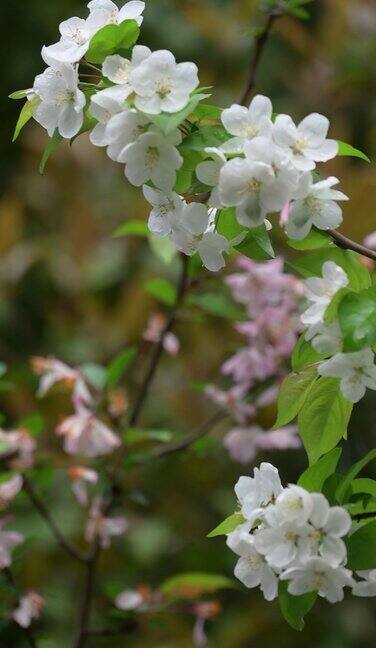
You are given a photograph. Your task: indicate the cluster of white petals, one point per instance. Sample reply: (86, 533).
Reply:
(356, 370)
(289, 534)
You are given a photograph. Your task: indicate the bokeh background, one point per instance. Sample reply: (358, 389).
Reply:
(69, 288)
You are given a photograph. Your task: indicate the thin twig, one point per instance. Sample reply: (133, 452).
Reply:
(87, 598)
(42, 509)
(90, 65)
(26, 631)
(344, 242)
(158, 348)
(259, 45)
(125, 629)
(190, 439)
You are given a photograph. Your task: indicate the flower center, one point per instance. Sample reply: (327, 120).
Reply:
(124, 72)
(253, 185)
(255, 561)
(294, 504)
(77, 36)
(152, 157)
(163, 87)
(299, 146)
(249, 131)
(319, 581)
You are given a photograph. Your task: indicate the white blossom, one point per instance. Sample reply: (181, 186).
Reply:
(284, 543)
(123, 129)
(306, 143)
(253, 570)
(153, 157)
(75, 37)
(53, 371)
(293, 504)
(321, 290)
(106, 12)
(101, 527)
(357, 371)
(104, 105)
(208, 173)
(129, 600)
(162, 85)
(246, 123)
(61, 102)
(314, 205)
(29, 608)
(9, 489)
(167, 209)
(256, 493)
(326, 339)
(8, 540)
(119, 69)
(367, 586)
(329, 525)
(316, 575)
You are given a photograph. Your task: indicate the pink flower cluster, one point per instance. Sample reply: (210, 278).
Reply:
(271, 300)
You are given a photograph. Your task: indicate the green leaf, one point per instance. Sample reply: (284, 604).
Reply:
(19, 94)
(299, 12)
(352, 473)
(331, 313)
(52, 144)
(295, 608)
(132, 227)
(363, 485)
(133, 436)
(227, 224)
(95, 374)
(33, 423)
(324, 419)
(192, 585)
(357, 319)
(120, 365)
(163, 248)
(227, 526)
(361, 548)
(293, 393)
(184, 176)
(162, 290)
(26, 114)
(256, 245)
(3, 369)
(314, 240)
(168, 122)
(112, 39)
(314, 477)
(204, 137)
(217, 304)
(310, 265)
(348, 150)
(207, 111)
(304, 354)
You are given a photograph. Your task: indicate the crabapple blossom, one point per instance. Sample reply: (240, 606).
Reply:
(321, 290)
(153, 157)
(54, 371)
(306, 143)
(154, 330)
(118, 69)
(9, 489)
(86, 435)
(246, 123)
(8, 540)
(106, 12)
(208, 173)
(284, 543)
(75, 37)
(366, 586)
(244, 443)
(129, 600)
(61, 101)
(317, 575)
(357, 371)
(29, 609)
(81, 477)
(162, 85)
(167, 209)
(123, 129)
(253, 570)
(293, 504)
(326, 339)
(21, 444)
(314, 204)
(101, 527)
(104, 105)
(329, 524)
(256, 493)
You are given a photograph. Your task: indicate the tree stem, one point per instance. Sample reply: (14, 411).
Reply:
(344, 242)
(259, 45)
(87, 598)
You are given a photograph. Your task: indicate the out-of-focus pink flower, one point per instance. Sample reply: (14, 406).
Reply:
(203, 610)
(154, 331)
(9, 489)
(81, 477)
(102, 528)
(129, 600)
(19, 443)
(284, 217)
(268, 396)
(232, 400)
(29, 608)
(53, 371)
(244, 443)
(8, 540)
(86, 435)
(370, 241)
(251, 364)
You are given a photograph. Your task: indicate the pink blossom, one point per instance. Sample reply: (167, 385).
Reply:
(129, 600)
(53, 371)
(9, 489)
(284, 217)
(244, 443)
(250, 364)
(8, 540)
(154, 331)
(81, 477)
(203, 611)
(21, 444)
(86, 435)
(29, 608)
(370, 241)
(232, 401)
(102, 528)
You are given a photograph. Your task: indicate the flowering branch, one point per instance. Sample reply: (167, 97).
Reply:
(344, 242)
(44, 512)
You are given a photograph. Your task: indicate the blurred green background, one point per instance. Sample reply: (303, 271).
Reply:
(70, 289)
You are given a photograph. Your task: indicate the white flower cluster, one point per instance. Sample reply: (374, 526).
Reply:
(292, 535)
(263, 167)
(357, 370)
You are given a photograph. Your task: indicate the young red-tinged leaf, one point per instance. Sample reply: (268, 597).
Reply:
(227, 526)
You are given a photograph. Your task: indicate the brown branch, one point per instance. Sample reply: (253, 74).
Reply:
(87, 597)
(124, 629)
(346, 243)
(158, 348)
(29, 489)
(190, 439)
(259, 45)
(26, 631)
